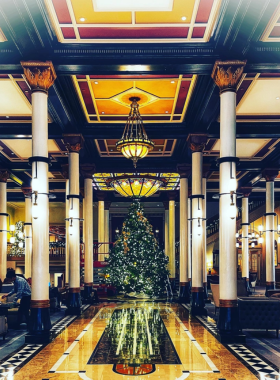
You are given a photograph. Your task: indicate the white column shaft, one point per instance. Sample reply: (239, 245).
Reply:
(106, 230)
(74, 212)
(245, 240)
(28, 237)
(101, 236)
(166, 232)
(189, 240)
(40, 226)
(3, 228)
(183, 230)
(88, 231)
(227, 270)
(171, 239)
(67, 233)
(204, 236)
(197, 252)
(270, 269)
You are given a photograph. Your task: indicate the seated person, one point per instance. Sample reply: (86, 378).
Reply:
(23, 294)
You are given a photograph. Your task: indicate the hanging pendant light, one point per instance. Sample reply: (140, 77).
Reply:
(134, 143)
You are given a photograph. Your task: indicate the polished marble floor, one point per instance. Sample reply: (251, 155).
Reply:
(200, 355)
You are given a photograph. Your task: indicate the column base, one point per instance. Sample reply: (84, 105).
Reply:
(74, 302)
(228, 323)
(197, 302)
(184, 294)
(87, 295)
(269, 285)
(39, 324)
(205, 293)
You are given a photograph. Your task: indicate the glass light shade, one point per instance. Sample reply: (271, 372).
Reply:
(12, 227)
(20, 235)
(232, 211)
(136, 187)
(278, 239)
(199, 213)
(35, 211)
(237, 234)
(135, 149)
(253, 234)
(237, 245)
(260, 240)
(278, 227)
(232, 184)
(20, 244)
(35, 184)
(260, 227)
(12, 240)
(253, 245)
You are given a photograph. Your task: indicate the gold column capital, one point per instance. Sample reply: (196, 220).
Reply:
(227, 74)
(185, 170)
(270, 174)
(4, 175)
(197, 142)
(27, 190)
(39, 75)
(246, 191)
(73, 142)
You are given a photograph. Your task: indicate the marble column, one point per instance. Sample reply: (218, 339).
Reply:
(40, 77)
(189, 242)
(204, 239)
(88, 171)
(27, 191)
(65, 173)
(184, 171)
(197, 143)
(106, 227)
(269, 175)
(74, 144)
(171, 241)
(101, 225)
(245, 224)
(227, 76)
(4, 175)
(166, 226)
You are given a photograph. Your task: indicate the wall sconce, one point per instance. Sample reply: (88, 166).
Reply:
(117, 231)
(198, 213)
(12, 227)
(262, 231)
(71, 213)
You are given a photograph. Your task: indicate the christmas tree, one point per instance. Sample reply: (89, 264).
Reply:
(136, 265)
(18, 240)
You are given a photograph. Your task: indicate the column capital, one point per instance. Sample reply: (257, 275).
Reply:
(206, 170)
(65, 171)
(270, 174)
(73, 142)
(39, 75)
(166, 205)
(27, 190)
(107, 205)
(184, 170)
(227, 74)
(172, 195)
(197, 142)
(101, 195)
(246, 191)
(87, 170)
(4, 175)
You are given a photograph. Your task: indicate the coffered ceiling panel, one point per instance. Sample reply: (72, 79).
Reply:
(2, 36)
(246, 149)
(258, 98)
(92, 21)
(107, 98)
(162, 148)
(272, 31)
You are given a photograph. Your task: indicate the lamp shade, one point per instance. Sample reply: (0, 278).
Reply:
(136, 186)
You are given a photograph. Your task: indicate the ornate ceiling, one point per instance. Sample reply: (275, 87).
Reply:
(98, 21)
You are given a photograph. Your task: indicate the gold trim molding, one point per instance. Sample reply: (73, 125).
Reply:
(39, 75)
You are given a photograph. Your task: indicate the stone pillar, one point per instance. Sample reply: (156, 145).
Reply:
(246, 191)
(189, 241)
(227, 76)
(205, 175)
(40, 77)
(269, 175)
(4, 175)
(88, 171)
(27, 191)
(166, 226)
(184, 171)
(197, 143)
(74, 144)
(171, 240)
(101, 230)
(106, 227)
(65, 173)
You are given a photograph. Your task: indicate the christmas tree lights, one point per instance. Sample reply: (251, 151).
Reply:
(137, 265)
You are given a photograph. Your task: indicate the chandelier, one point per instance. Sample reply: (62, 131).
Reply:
(136, 186)
(134, 143)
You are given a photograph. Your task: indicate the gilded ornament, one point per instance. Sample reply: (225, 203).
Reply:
(4, 175)
(227, 74)
(39, 75)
